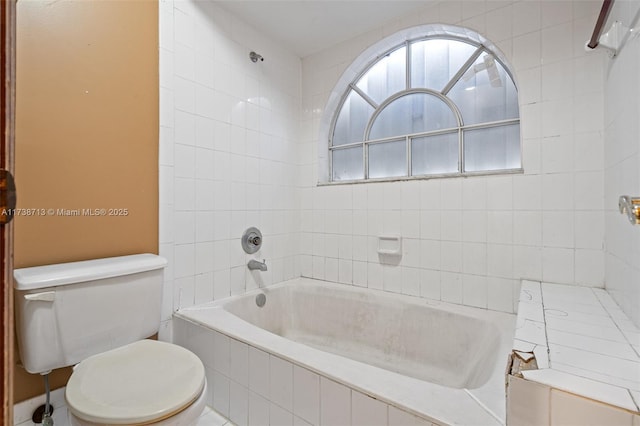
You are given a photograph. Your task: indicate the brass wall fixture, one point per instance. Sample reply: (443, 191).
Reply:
(631, 207)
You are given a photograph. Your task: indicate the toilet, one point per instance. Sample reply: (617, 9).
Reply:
(96, 315)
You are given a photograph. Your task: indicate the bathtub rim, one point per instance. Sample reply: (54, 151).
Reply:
(467, 406)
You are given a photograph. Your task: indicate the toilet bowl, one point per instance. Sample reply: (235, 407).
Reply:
(96, 315)
(143, 383)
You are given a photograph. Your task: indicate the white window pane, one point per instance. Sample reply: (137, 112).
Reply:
(435, 62)
(386, 77)
(413, 113)
(388, 159)
(352, 121)
(485, 93)
(493, 148)
(347, 164)
(434, 154)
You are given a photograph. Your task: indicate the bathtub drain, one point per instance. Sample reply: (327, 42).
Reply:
(261, 299)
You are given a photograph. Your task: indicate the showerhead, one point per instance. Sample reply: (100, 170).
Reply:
(255, 57)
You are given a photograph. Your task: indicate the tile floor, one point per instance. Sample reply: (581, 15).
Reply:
(22, 412)
(208, 418)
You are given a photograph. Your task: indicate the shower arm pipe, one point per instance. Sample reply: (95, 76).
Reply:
(602, 19)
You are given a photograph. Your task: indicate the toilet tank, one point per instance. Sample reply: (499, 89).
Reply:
(67, 312)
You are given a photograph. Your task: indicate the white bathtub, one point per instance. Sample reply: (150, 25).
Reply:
(442, 362)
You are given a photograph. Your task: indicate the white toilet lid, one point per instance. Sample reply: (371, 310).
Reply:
(141, 382)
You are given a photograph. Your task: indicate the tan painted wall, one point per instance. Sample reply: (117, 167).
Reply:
(87, 135)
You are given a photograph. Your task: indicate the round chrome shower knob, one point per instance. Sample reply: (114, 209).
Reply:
(251, 240)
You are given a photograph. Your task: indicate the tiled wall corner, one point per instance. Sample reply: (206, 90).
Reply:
(621, 158)
(228, 154)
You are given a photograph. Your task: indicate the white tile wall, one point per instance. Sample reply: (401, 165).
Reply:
(621, 158)
(475, 238)
(236, 150)
(228, 154)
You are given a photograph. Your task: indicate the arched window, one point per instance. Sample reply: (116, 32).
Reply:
(438, 105)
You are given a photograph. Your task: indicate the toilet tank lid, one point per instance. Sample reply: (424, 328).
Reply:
(38, 277)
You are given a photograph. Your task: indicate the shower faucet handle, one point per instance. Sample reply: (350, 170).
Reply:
(251, 240)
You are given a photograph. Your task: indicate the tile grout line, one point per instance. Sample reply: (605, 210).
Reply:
(581, 375)
(637, 351)
(592, 352)
(614, 321)
(637, 403)
(626, 388)
(575, 333)
(544, 321)
(484, 407)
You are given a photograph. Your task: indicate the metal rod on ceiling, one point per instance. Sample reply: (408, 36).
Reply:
(602, 19)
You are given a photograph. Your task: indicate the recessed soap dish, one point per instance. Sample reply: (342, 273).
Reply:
(390, 245)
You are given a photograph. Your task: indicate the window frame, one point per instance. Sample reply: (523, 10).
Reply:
(480, 48)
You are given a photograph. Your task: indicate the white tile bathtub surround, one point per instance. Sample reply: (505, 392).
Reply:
(306, 400)
(589, 354)
(469, 234)
(367, 411)
(335, 403)
(258, 410)
(527, 402)
(238, 403)
(259, 372)
(568, 409)
(281, 379)
(228, 154)
(284, 375)
(297, 395)
(621, 159)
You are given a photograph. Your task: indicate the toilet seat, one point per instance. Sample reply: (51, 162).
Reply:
(140, 383)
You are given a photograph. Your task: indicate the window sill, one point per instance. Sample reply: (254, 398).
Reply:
(424, 177)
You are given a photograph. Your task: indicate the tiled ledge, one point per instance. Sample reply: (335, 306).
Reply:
(584, 344)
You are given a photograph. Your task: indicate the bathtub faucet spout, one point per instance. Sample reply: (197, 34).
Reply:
(256, 264)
